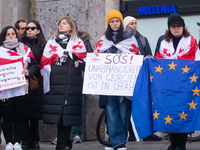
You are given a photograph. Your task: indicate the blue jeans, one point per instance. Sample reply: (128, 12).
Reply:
(117, 116)
(77, 129)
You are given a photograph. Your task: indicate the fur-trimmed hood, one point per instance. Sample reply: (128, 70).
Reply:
(128, 33)
(84, 36)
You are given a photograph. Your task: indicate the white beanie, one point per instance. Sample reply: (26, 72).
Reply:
(127, 20)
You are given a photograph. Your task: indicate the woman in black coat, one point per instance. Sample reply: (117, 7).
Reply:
(63, 99)
(33, 37)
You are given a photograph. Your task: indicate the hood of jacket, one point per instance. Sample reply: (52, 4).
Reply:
(84, 36)
(130, 32)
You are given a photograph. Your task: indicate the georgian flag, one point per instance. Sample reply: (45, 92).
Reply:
(52, 51)
(8, 57)
(129, 46)
(187, 49)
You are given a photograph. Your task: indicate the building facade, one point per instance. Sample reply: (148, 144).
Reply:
(152, 16)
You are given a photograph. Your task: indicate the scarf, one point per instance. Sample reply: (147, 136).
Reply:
(129, 46)
(187, 49)
(10, 44)
(63, 39)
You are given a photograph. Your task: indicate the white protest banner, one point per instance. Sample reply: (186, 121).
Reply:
(11, 76)
(109, 74)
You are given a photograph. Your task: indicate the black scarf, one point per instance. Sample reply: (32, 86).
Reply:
(63, 39)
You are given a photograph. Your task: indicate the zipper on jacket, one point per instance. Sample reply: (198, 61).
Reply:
(65, 102)
(68, 81)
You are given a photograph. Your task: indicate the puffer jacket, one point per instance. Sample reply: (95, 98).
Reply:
(64, 100)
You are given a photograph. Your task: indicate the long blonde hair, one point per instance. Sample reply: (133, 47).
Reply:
(72, 25)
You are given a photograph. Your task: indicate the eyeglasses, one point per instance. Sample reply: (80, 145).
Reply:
(23, 28)
(32, 28)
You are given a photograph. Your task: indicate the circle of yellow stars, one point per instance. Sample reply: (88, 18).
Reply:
(196, 92)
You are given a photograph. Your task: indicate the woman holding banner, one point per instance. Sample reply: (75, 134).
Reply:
(13, 108)
(61, 66)
(117, 107)
(177, 43)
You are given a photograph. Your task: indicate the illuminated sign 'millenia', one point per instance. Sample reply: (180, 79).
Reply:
(151, 10)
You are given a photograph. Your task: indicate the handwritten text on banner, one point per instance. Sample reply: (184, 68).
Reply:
(109, 74)
(11, 76)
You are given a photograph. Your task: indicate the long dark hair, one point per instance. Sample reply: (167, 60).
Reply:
(41, 39)
(168, 34)
(109, 34)
(3, 34)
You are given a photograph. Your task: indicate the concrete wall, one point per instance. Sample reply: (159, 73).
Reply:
(12, 10)
(89, 15)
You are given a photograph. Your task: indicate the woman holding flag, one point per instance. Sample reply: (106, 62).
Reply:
(33, 37)
(117, 107)
(61, 66)
(177, 43)
(13, 105)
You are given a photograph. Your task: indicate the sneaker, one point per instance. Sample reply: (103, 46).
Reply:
(54, 142)
(9, 146)
(109, 148)
(171, 147)
(77, 139)
(121, 147)
(152, 137)
(181, 148)
(162, 135)
(67, 148)
(17, 146)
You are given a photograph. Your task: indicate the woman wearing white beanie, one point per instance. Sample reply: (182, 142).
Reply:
(130, 27)
(130, 20)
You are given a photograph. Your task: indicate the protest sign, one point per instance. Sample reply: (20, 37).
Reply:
(109, 74)
(11, 76)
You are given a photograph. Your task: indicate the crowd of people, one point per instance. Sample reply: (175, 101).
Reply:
(54, 92)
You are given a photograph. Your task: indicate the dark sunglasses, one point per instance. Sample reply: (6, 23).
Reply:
(32, 28)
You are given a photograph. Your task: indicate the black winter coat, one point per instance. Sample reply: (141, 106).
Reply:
(34, 106)
(158, 44)
(64, 100)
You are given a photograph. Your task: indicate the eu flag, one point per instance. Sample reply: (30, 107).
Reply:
(166, 97)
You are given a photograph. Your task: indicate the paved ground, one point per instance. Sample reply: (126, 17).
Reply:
(95, 145)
